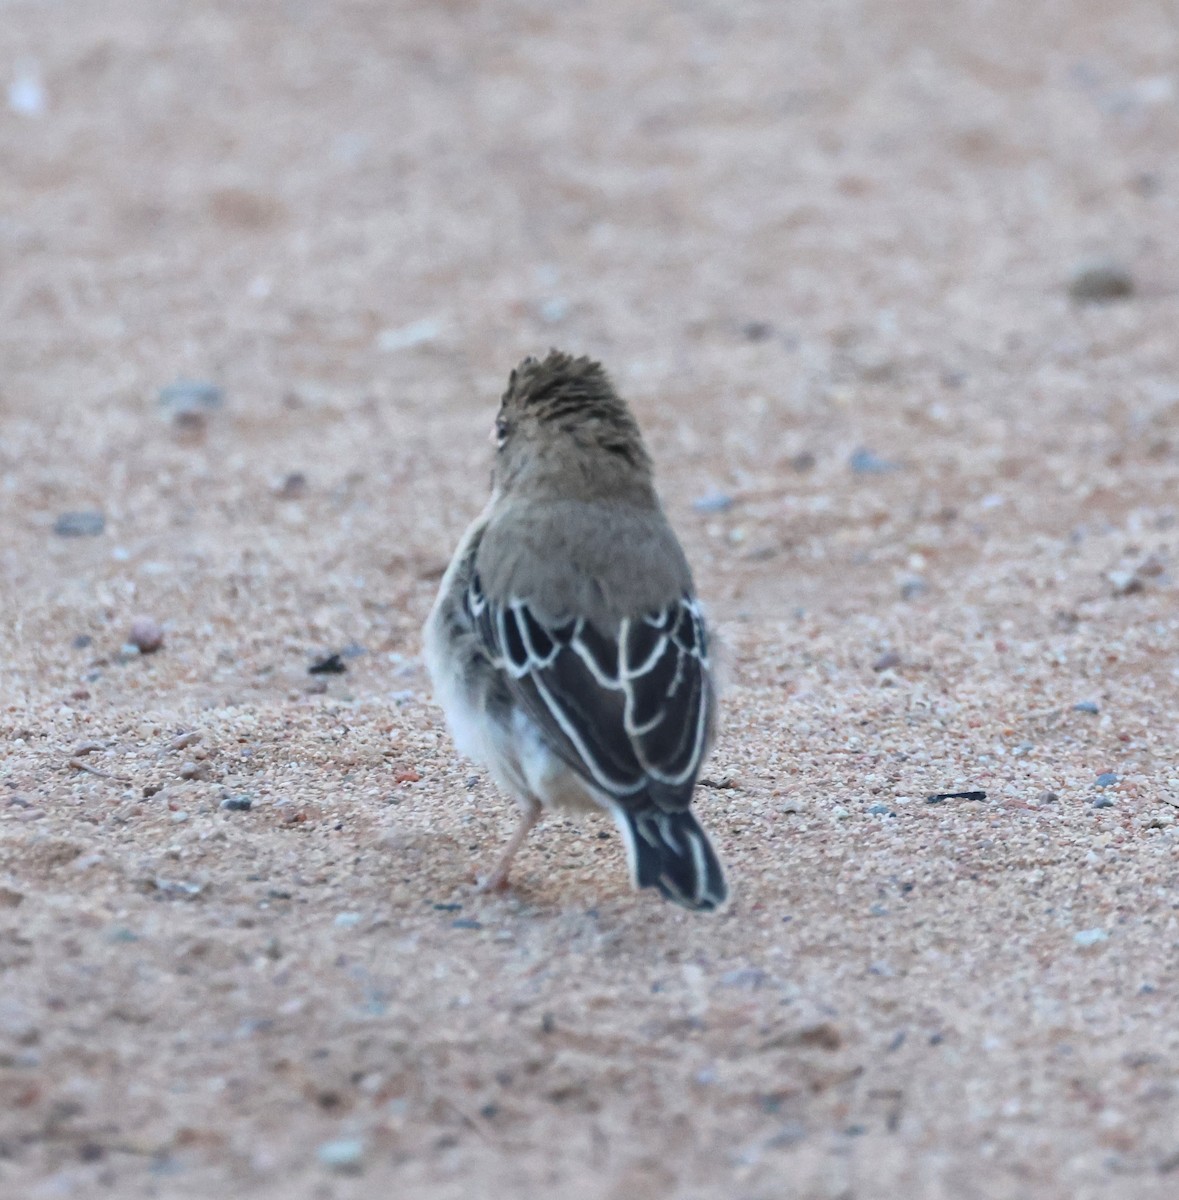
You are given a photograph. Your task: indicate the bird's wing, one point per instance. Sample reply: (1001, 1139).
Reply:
(629, 712)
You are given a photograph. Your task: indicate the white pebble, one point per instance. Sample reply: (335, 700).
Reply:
(1090, 937)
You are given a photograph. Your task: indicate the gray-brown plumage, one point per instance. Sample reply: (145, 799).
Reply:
(566, 645)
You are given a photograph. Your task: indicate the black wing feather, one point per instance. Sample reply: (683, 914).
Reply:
(629, 711)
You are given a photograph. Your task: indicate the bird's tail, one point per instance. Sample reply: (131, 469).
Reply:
(669, 851)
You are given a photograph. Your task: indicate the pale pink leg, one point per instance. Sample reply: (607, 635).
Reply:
(497, 881)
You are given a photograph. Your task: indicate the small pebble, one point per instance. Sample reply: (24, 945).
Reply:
(26, 93)
(757, 331)
(293, 487)
(190, 404)
(1087, 706)
(912, 588)
(865, 462)
(1106, 779)
(347, 920)
(939, 797)
(192, 770)
(177, 887)
(888, 660)
(1100, 282)
(1103, 802)
(79, 524)
(880, 810)
(187, 394)
(146, 635)
(1125, 583)
(714, 502)
(345, 1155)
(82, 642)
(840, 813)
(750, 978)
(242, 803)
(183, 740)
(416, 333)
(84, 748)
(465, 923)
(1090, 937)
(554, 309)
(333, 664)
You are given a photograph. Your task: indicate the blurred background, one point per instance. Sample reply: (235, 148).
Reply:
(793, 232)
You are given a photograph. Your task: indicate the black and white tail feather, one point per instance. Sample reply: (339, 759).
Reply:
(631, 712)
(669, 851)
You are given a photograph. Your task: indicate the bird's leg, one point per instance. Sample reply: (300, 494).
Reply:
(497, 881)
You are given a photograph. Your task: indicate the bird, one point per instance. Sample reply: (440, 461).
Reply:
(567, 647)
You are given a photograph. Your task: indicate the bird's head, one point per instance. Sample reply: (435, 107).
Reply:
(562, 428)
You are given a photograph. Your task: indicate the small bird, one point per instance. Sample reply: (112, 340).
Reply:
(566, 645)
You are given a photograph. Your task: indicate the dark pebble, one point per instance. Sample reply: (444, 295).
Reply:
(888, 660)
(1106, 779)
(241, 803)
(1103, 802)
(293, 486)
(448, 907)
(466, 923)
(80, 524)
(880, 810)
(757, 331)
(1099, 283)
(82, 642)
(912, 588)
(333, 664)
(938, 797)
(1087, 706)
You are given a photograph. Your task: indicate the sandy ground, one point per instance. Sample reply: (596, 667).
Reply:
(826, 249)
